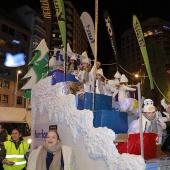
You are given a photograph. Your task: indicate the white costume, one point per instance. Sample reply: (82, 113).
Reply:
(148, 125)
(86, 80)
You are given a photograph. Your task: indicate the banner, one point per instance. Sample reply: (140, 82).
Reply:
(89, 28)
(46, 12)
(110, 30)
(60, 13)
(59, 57)
(141, 41)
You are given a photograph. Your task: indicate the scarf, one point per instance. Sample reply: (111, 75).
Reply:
(71, 69)
(56, 162)
(100, 87)
(153, 128)
(86, 76)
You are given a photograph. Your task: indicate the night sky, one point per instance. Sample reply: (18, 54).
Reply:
(121, 12)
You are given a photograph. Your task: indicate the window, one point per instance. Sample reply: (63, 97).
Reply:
(6, 72)
(20, 85)
(19, 100)
(6, 84)
(11, 31)
(24, 37)
(5, 98)
(8, 30)
(0, 83)
(2, 55)
(4, 28)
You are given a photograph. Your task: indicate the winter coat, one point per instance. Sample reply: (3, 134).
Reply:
(68, 156)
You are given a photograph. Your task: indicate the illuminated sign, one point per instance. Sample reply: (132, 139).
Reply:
(16, 41)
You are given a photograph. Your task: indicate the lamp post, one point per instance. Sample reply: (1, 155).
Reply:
(16, 89)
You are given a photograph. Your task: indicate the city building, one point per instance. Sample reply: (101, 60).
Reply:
(76, 36)
(155, 30)
(14, 38)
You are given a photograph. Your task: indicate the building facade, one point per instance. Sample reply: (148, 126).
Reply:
(155, 30)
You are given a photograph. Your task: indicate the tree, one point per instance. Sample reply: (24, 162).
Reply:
(38, 68)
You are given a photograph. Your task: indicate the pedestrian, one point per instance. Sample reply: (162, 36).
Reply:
(52, 155)
(12, 152)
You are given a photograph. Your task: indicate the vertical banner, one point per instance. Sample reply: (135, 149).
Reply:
(46, 12)
(111, 33)
(89, 28)
(60, 13)
(141, 41)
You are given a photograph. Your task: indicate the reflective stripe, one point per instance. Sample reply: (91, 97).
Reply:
(14, 156)
(20, 163)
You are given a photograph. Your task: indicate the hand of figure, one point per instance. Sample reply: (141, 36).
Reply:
(8, 163)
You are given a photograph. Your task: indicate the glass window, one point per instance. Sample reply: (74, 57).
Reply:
(6, 72)
(4, 28)
(19, 100)
(1, 83)
(2, 55)
(6, 84)
(24, 37)
(11, 31)
(5, 98)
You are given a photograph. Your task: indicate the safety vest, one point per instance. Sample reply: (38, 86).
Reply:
(15, 155)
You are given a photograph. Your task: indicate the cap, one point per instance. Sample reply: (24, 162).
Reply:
(123, 79)
(148, 106)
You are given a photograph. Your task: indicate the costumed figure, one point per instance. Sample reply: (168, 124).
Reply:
(126, 104)
(84, 75)
(149, 120)
(101, 86)
(166, 145)
(73, 65)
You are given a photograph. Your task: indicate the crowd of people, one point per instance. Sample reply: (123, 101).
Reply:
(50, 156)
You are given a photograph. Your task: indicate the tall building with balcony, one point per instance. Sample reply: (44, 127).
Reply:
(14, 38)
(155, 30)
(76, 36)
(35, 23)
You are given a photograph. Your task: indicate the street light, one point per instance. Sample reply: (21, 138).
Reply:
(16, 89)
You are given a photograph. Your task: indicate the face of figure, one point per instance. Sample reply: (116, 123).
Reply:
(52, 139)
(72, 61)
(98, 76)
(168, 109)
(84, 65)
(15, 135)
(98, 65)
(150, 115)
(1, 129)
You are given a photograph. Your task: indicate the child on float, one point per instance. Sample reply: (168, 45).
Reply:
(84, 75)
(123, 89)
(73, 65)
(115, 82)
(101, 86)
(150, 121)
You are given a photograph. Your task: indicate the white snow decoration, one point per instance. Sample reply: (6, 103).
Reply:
(98, 141)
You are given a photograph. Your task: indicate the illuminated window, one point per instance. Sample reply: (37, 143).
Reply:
(6, 84)
(1, 83)
(5, 98)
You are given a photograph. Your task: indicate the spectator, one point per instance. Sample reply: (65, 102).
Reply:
(12, 152)
(52, 155)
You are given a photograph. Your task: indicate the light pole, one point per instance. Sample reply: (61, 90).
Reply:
(16, 89)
